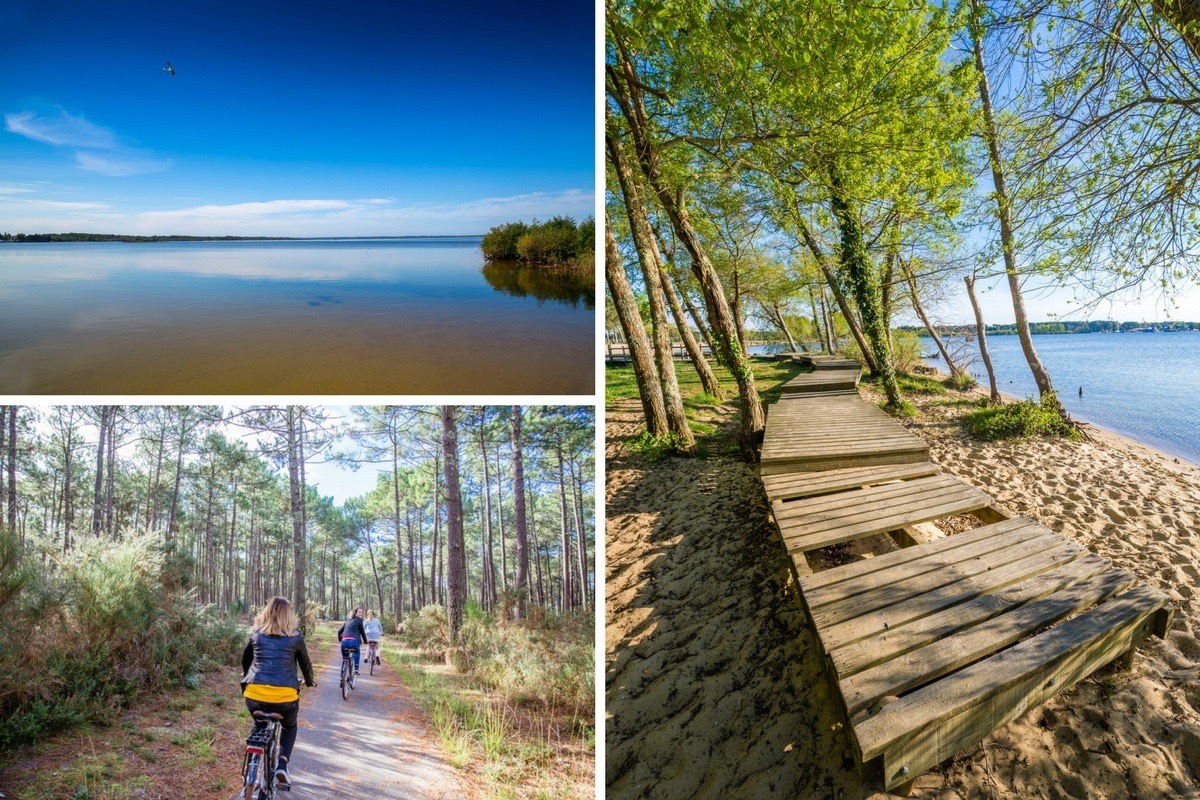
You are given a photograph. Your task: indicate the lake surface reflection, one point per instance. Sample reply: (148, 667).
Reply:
(384, 316)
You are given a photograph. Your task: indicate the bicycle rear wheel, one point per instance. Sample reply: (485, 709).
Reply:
(371, 652)
(345, 678)
(250, 778)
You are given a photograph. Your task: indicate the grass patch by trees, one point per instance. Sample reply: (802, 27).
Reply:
(1025, 418)
(557, 242)
(518, 702)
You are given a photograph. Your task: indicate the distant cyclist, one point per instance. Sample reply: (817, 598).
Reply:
(269, 680)
(374, 629)
(352, 634)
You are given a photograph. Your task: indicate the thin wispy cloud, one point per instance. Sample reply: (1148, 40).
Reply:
(118, 164)
(97, 149)
(62, 130)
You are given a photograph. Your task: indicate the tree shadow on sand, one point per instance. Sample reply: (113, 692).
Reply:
(714, 683)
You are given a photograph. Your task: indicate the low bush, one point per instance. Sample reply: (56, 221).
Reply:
(1026, 418)
(111, 621)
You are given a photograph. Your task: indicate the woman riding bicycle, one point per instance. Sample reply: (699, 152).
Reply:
(374, 630)
(352, 634)
(269, 682)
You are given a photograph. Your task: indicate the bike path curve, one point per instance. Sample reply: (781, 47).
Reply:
(375, 744)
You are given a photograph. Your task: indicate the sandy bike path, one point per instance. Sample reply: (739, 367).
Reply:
(374, 744)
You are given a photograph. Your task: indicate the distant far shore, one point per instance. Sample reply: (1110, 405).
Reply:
(22, 238)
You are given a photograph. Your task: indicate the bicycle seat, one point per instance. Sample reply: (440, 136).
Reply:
(268, 715)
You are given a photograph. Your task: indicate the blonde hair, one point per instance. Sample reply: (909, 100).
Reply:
(277, 618)
(370, 615)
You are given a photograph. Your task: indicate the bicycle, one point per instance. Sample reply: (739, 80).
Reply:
(262, 758)
(347, 679)
(372, 654)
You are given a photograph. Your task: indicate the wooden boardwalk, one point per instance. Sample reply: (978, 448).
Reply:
(840, 381)
(835, 432)
(938, 643)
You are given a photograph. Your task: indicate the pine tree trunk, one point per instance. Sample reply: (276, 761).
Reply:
(454, 527)
(521, 581)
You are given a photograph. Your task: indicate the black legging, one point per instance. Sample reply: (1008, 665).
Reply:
(287, 735)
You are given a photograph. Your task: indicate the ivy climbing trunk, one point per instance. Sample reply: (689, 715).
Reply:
(864, 282)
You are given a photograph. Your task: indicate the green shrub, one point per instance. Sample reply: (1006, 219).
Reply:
(110, 623)
(962, 381)
(500, 243)
(557, 241)
(427, 630)
(1026, 418)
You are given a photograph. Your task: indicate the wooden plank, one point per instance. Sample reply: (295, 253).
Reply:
(858, 569)
(916, 732)
(807, 484)
(900, 639)
(802, 535)
(1026, 555)
(853, 499)
(918, 667)
(929, 560)
(1054, 554)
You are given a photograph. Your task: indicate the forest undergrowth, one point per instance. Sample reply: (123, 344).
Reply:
(514, 702)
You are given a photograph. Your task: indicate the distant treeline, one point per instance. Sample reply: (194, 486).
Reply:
(121, 237)
(1093, 326)
(557, 241)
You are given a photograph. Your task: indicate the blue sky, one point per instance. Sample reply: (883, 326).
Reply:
(369, 117)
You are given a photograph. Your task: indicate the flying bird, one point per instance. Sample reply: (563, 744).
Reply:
(170, 70)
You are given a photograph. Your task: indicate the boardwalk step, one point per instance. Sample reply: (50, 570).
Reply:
(928, 725)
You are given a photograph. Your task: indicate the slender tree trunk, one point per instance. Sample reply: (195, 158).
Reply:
(1004, 213)
(296, 495)
(626, 89)
(640, 354)
(412, 562)
(981, 332)
(396, 519)
(827, 318)
(708, 378)
(488, 561)
(776, 315)
(172, 520)
(817, 315)
(577, 508)
(955, 370)
(536, 554)
(521, 581)
(12, 466)
(566, 536)
(98, 495)
(454, 527)
(651, 263)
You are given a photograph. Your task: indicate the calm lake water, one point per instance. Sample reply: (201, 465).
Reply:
(1143, 385)
(383, 316)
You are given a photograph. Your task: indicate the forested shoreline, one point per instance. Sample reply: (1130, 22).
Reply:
(126, 527)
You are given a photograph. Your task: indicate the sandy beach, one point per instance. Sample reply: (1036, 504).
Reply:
(714, 685)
